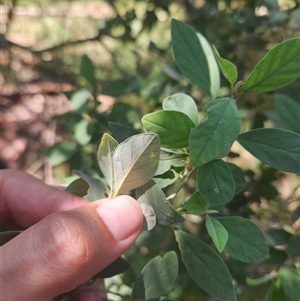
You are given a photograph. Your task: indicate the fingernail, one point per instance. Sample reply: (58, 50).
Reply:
(121, 216)
(86, 296)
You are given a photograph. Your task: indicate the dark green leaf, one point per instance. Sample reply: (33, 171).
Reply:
(215, 182)
(293, 245)
(119, 87)
(122, 132)
(119, 266)
(97, 188)
(151, 194)
(277, 148)
(157, 277)
(205, 267)
(288, 111)
(6, 236)
(83, 131)
(172, 127)
(238, 177)
(245, 242)
(276, 256)
(196, 204)
(78, 187)
(217, 233)
(276, 237)
(276, 69)
(213, 137)
(62, 151)
(87, 70)
(290, 280)
(182, 103)
(228, 69)
(194, 58)
(135, 162)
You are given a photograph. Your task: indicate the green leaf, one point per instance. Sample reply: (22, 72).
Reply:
(293, 245)
(61, 152)
(182, 103)
(261, 280)
(120, 265)
(157, 277)
(79, 99)
(228, 69)
(135, 162)
(275, 292)
(276, 69)
(217, 232)
(205, 267)
(78, 187)
(213, 137)
(275, 147)
(166, 179)
(290, 281)
(167, 159)
(196, 204)
(288, 111)
(105, 158)
(151, 194)
(194, 58)
(122, 132)
(87, 70)
(149, 217)
(97, 188)
(120, 87)
(245, 242)
(215, 182)
(83, 131)
(276, 237)
(172, 127)
(238, 177)
(6, 236)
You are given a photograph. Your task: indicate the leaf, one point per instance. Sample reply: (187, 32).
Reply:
(83, 131)
(228, 69)
(135, 162)
(205, 267)
(167, 159)
(120, 87)
(79, 99)
(149, 217)
(275, 292)
(245, 242)
(87, 70)
(120, 265)
(275, 147)
(78, 187)
(182, 103)
(276, 237)
(172, 127)
(238, 177)
(97, 188)
(288, 111)
(215, 182)
(290, 281)
(276, 69)
(6, 236)
(105, 158)
(196, 204)
(217, 233)
(166, 179)
(157, 277)
(122, 132)
(61, 152)
(213, 137)
(261, 280)
(151, 194)
(293, 245)
(194, 58)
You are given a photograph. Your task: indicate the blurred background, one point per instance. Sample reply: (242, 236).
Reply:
(70, 67)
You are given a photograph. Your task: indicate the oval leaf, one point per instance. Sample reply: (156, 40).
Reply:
(196, 204)
(245, 242)
(215, 182)
(205, 267)
(83, 131)
(275, 147)
(61, 152)
(149, 217)
(151, 194)
(172, 127)
(182, 103)
(290, 281)
(276, 69)
(194, 58)
(213, 137)
(238, 177)
(135, 162)
(105, 158)
(217, 232)
(78, 187)
(157, 277)
(122, 132)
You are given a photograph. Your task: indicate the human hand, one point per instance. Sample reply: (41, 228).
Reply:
(66, 241)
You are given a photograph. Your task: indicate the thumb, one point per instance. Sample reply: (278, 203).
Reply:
(67, 248)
